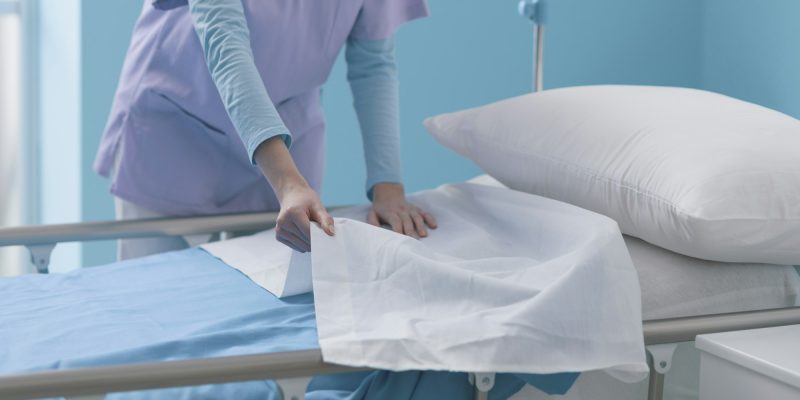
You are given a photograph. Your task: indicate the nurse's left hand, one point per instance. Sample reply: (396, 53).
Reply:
(389, 206)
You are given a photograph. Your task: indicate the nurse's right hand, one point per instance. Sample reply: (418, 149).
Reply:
(299, 207)
(300, 204)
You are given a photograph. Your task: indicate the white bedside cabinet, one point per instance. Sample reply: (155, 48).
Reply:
(750, 365)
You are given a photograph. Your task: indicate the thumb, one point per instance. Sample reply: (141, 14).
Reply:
(320, 215)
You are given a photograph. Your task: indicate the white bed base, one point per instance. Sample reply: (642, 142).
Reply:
(292, 370)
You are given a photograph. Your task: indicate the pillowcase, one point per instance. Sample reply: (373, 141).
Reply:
(691, 171)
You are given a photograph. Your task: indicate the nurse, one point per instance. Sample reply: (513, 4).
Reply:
(216, 95)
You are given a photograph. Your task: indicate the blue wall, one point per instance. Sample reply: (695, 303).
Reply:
(752, 51)
(105, 34)
(470, 53)
(648, 42)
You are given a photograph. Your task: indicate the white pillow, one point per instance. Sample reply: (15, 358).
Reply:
(695, 172)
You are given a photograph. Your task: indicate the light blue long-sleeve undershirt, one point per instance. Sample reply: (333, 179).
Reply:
(222, 28)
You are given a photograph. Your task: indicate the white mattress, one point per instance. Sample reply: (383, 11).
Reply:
(675, 285)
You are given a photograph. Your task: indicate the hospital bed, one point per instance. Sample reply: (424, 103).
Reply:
(291, 369)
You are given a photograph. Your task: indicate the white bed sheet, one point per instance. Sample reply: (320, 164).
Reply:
(509, 282)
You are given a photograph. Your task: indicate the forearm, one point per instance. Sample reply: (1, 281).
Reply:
(277, 165)
(222, 29)
(372, 74)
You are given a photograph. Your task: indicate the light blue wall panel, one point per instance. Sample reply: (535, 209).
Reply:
(752, 51)
(105, 34)
(468, 53)
(648, 42)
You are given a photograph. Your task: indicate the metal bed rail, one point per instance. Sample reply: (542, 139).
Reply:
(41, 240)
(120, 378)
(295, 364)
(137, 228)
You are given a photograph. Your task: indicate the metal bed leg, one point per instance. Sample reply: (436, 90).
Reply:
(655, 389)
(294, 388)
(484, 382)
(660, 361)
(40, 255)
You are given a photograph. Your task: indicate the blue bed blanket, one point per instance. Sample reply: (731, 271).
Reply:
(186, 305)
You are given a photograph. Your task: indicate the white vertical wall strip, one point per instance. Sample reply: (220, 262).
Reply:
(60, 121)
(11, 259)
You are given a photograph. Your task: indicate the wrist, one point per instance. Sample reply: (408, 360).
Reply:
(278, 167)
(387, 190)
(287, 184)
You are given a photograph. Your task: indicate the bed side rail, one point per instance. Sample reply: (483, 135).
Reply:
(42, 239)
(120, 378)
(674, 330)
(135, 228)
(287, 365)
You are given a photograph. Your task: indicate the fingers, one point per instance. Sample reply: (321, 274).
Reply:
(291, 239)
(395, 222)
(408, 225)
(419, 224)
(302, 222)
(408, 220)
(293, 229)
(372, 218)
(429, 220)
(294, 244)
(296, 228)
(321, 216)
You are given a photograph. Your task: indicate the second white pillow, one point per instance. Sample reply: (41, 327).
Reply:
(695, 172)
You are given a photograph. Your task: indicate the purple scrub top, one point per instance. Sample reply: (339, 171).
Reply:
(175, 148)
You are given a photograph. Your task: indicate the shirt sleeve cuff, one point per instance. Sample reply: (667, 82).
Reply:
(253, 141)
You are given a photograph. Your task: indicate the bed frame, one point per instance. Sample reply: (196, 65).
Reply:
(292, 370)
